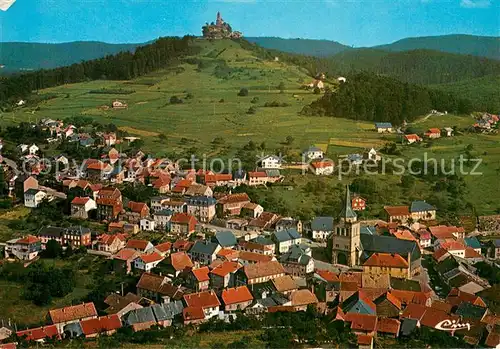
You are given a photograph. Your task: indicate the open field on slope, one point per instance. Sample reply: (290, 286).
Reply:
(215, 110)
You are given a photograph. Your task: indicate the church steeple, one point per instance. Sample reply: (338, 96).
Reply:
(347, 213)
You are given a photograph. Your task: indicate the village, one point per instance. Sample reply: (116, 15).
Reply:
(201, 250)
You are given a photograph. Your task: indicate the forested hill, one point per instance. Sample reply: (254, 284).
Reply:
(418, 66)
(123, 66)
(317, 48)
(23, 56)
(484, 46)
(367, 96)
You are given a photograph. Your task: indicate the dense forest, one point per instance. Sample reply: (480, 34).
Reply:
(367, 96)
(123, 66)
(418, 66)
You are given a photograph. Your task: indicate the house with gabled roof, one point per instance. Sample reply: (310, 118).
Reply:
(202, 207)
(297, 262)
(385, 263)
(75, 313)
(285, 239)
(312, 153)
(388, 305)
(359, 303)
(383, 127)
(141, 246)
(237, 298)
(180, 261)
(39, 334)
(183, 223)
(81, 206)
(111, 243)
(158, 288)
(223, 275)
(225, 239)
(203, 304)
(259, 272)
(421, 210)
(147, 261)
(26, 248)
(321, 228)
(433, 133)
(198, 278)
(204, 252)
(412, 138)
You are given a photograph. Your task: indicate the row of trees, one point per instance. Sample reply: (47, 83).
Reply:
(370, 97)
(123, 66)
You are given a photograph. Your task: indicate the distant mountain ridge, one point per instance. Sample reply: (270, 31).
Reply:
(484, 46)
(22, 56)
(318, 48)
(19, 56)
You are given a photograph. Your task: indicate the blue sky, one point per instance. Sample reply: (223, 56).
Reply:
(356, 22)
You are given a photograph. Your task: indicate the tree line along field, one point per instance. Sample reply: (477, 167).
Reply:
(208, 84)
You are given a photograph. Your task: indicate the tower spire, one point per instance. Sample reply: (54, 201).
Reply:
(347, 212)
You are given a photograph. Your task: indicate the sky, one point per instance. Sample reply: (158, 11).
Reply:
(351, 22)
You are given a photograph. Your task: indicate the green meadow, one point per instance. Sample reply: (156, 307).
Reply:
(208, 85)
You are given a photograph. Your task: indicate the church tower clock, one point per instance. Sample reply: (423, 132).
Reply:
(346, 246)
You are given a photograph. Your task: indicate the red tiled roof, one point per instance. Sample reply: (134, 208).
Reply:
(254, 257)
(471, 253)
(263, 269)
(225, 268)
(181, 244)
(397, 210)
(102, 324)
(151, 257)
(414, 311)
(362, 322)
(234, 198)
(38, 333)
(303, 297)
(164, 247)
(433, 316)
(99, 166)
(386, 325)
(493, 340)
(74, 312)
(443, 306)
(136, 206)
(236, 295)
(393, 299)
(182, 218)
(284, 283)
(455, 297)
(218, 178)
(137, 244)
(193, 313)
(453, 246)
(257, 174)
(434, 130)
(80, 200)
(439, 254)
(180, 261)
(29, 239)
(407, 297)
(126, 254)
(8, 346)
(207, 299)
(228, 253)
(386, 260)
(108, 240)
(201, 274)
(328, 275)
(322, 164)
(352, 277)
(413, 137)
(443, 231)
(364, 339)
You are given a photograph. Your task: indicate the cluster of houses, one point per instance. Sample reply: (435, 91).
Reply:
(487, 122)
(431, 133)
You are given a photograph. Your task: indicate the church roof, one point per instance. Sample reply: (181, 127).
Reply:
(347, 211)
(388, 244)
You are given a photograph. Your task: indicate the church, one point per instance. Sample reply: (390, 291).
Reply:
(352, 247)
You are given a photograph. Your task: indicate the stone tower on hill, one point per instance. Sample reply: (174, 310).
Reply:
(219, 30)
(346, 244)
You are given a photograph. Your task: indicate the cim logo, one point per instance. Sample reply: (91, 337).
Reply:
(452, 325)
(5, 4)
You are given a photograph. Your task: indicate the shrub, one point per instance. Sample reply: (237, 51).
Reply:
(243, 92)
(175, 100)
(252, 110)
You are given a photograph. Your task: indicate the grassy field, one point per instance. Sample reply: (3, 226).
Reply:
(6, 217)
(211, 108)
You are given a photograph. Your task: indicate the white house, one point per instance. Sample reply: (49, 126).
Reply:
(162, 219)
(33, 149)
(23, 148)
(26, 248)
(382, 127)
(372, 155)
(285, 239)
(312, 153)
(147, 224)
(33, 197)
(321, 228)
(322, 168)
(270, 162)
(147, 262)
